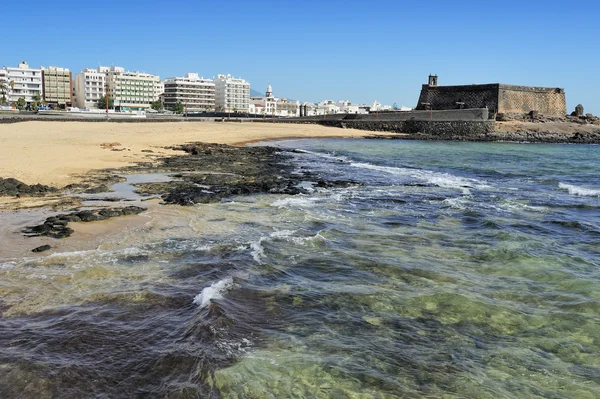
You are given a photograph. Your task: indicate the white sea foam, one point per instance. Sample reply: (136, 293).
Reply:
(204, 247)
(295, 202)
(439, 179)
(458, 203)
(215, 291)
(7, 265)
(258, 252)
(580, 191)
(72, 254)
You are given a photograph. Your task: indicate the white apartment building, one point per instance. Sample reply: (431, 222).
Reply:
(131, 90)
(23, 82)
(159, 89)
(328, 107)
(231, 94)
(89, 86)
(196, 93)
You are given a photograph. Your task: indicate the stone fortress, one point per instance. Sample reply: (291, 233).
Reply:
(496, 97)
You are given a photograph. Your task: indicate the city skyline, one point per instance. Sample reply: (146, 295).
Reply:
(312, 51)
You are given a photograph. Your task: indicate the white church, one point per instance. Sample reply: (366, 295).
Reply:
(270, 106)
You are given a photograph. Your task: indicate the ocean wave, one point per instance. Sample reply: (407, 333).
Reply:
(579, 191)
(439, 179)
(215, 291)
(258, 252)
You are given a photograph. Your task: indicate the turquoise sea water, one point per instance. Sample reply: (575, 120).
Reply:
(446, 270)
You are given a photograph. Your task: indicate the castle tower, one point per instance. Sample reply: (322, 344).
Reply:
(269, 92)
(433, 80)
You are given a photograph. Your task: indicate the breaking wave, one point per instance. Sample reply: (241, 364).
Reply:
(215, 291)
(580, 191)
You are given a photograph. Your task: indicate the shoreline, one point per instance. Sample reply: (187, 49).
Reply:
(90, 158)
(58, 154)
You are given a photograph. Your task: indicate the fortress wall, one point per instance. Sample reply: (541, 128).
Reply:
(523, 99)
(446, 97)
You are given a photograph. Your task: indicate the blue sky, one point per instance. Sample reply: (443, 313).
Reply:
(314, 50)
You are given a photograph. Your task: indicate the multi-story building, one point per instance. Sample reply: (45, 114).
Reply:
(57, 86)
(23, 82)
(231, 94)
(196, 93)
(131, 90)
(159, 89)
(4, 86)
(89, 86)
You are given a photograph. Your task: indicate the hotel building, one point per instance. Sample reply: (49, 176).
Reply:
(231, 94)
(57, 86)
(131, 90)
(89, 86)
(196, 93)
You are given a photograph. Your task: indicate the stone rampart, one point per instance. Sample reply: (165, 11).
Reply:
(451, 97)
(498, 98)
(523, 99)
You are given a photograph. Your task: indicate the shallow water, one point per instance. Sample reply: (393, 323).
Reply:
(455, 270)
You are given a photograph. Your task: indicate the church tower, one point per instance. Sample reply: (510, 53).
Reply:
(269, 91)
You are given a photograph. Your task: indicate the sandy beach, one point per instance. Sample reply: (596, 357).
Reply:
(59, 153)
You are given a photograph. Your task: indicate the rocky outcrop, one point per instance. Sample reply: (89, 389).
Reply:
(231, 170)
(56, 226)
(15, 188)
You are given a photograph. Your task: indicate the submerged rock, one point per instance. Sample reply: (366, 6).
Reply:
(41, 248)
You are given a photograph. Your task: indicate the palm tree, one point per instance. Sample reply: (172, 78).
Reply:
(3, 89)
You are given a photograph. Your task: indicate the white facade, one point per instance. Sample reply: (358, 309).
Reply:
(131, 89)
(328, 107)
(272, 106)
(375, 106)
(89, 86)
(23, 82)
(263, 105)
(231, 94)
(194, 92)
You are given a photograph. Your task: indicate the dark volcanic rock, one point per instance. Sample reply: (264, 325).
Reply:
(217, 171)
(56, 226)
(41, 248)
(14, 187)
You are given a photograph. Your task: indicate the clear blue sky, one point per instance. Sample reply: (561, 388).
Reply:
(314, 50)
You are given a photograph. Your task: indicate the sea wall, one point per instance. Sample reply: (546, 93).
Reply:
(476, 114)
(444, 130)
(455, 131)
(517, 137)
